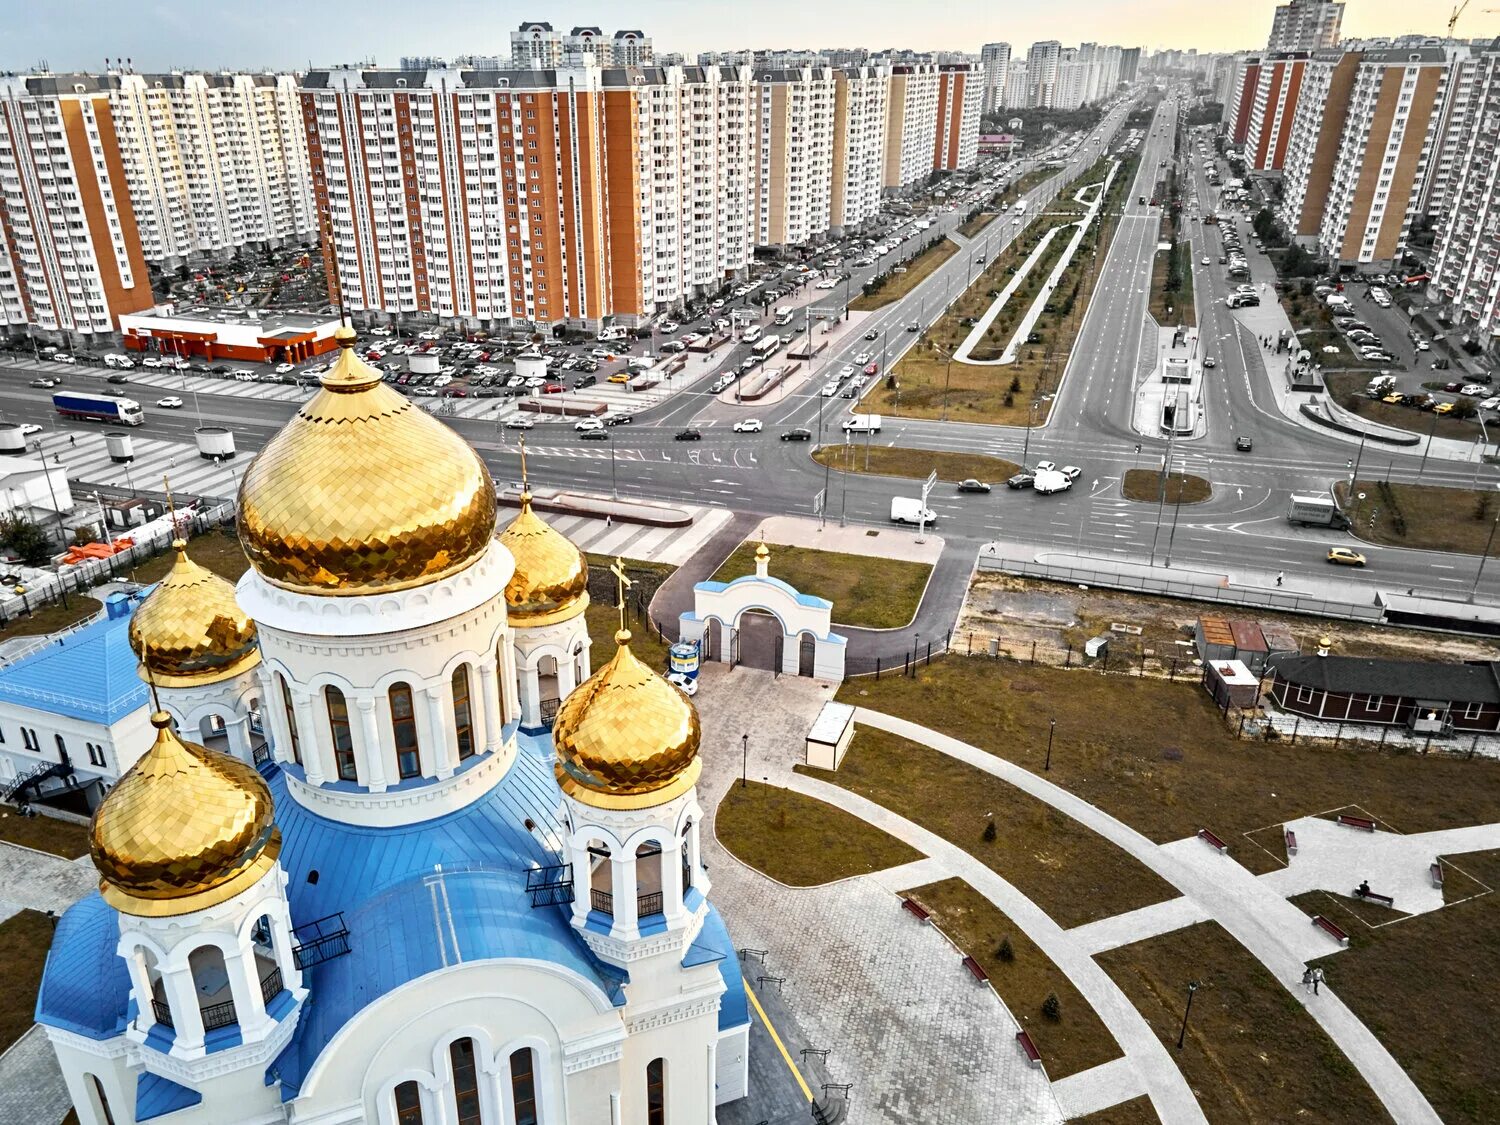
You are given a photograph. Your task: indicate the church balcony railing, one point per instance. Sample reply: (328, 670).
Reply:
(602, 901)
(216, 1016)
(319, 941)
(648, 904)
(270, 985)
(161, 1012)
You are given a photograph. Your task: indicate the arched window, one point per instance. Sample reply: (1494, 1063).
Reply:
(338, 727)
(523, 1086)
(463, 717)
(465, 1081)
(404, 727)
(104, 1113)
(408, 1104)
(291, 718)
(656, 1092)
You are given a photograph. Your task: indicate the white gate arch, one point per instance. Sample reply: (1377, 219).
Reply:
(797, 613)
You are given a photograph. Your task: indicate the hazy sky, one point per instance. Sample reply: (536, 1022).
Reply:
(211, 34)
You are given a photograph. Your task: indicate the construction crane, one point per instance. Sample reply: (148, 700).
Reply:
(1458, 10)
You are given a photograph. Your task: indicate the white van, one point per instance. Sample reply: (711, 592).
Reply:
(752, 334)
(122, 361)
(613, 332)
(863, 424)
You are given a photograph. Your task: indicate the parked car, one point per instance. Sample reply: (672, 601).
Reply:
(1021, 480)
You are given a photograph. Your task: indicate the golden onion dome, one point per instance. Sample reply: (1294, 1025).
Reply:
(184, 829)
(625, 738)
(362, 492)
(551, 579)
(190, 630)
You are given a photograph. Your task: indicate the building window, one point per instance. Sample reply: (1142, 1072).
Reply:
(1471, 710)
(404, 727)
(96, 754)
(465, 1081)
(28, 739)
(1374, 702)
(523, 1086)
(463, 720)
(1304, 695)
(338, 726)
(408, 1104)
(291, 718)
(656, 1092)
(62, 748)
(105, 1114)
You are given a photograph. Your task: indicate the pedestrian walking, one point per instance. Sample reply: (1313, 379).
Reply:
(1280, 577)
(1317, 980)
(1307, 978)
(72, 439)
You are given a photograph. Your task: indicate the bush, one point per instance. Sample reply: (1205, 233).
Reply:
(1015, 383)
(989, 832)
(1005, 952)
(1052, 1007)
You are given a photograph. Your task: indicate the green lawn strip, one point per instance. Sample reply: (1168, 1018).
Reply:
(1423, 516)
(1158, 756)
(799, 840)
(900, 284)
(893, 461)
(1252, 1054)
(1067, 870)
(1074, 1041)
(866, 592)
(24, 941)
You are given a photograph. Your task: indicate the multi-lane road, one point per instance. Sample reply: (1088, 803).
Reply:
(1242, 529)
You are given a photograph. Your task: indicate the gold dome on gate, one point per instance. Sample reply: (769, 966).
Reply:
(625, 738)
(361, 492)
(190, 630)
(551, 579)
(184, 829)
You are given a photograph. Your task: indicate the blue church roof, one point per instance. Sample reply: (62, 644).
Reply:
(87, 674)
(156, 1096)
(85, 986)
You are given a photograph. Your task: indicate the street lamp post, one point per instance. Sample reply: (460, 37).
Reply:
(1026, 442)
(1182, 1035)
(744, 758)
(1051, 730)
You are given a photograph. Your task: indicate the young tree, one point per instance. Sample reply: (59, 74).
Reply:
(26, 538)
(1005, 952)
(1052, 1007)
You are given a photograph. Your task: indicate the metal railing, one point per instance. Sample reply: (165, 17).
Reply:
(270, 985)
(648, 904)
(602, 901)
(161, 1012)
(216, 1016)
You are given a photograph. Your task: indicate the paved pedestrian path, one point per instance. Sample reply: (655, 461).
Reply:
(85, 458)
(1264, 923)
(1098, 1088)
(33, 880)
(32, 1090)
(892, 543)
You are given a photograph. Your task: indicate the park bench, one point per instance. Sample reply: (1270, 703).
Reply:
(976, 970)
(1371, 896)
(1330, 929)
(1362, 822)
(916, 909)
(1436, 871)
(1291, 842)
(1032, 1054)
(1212, 840)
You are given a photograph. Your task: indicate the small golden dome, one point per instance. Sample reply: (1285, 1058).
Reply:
(551, 580)
(625, 738)
(184, 829)
(190, 630)
(362, 492)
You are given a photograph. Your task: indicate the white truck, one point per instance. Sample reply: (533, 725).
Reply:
(906, 509)
(1049, 481)
(1315, 510)
(863, 424)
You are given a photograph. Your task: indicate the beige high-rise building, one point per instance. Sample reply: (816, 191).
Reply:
(994, 63)
(959, 108)
(859, 113)
(911, 125)
(794, 187)
(1306, 25)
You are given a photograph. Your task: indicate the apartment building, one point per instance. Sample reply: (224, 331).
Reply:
(1305, 25)
(1242, 99)
(994, 63)
(860, 96)
(539, 44)
(73, 259)
(1452, 129)
(213, 162)
(1273, 109)
(1316, 135)
(960, 103)
(1465, 266)
(794, 160)
(911, 125)
(1042, 62)
(1017, 85)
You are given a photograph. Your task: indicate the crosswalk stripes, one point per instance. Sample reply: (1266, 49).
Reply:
(87, 462)
(674, 545)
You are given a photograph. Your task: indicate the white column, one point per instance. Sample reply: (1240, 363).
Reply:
(623, 888)
(244, 988)
(583, 881)
(713, 1074)
(140, 985)
(511, 685)
(438, 733)
(237, 731)
(281, 945)
(493, 724)
(585, 660)
(566, 677)
(671, 882)
(791, 653)
(273, 711)
(370, 749)
(313, 761)
(531, 697)
(182, 999)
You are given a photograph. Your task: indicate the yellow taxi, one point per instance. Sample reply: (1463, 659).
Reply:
(1345, 557)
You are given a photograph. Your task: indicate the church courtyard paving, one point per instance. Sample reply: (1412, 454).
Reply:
(1252, 913)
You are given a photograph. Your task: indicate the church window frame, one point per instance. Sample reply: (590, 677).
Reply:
(523, 1086)
(341, 733)
(291, 718)
(656, 1092)
(461, 683)
(407, 740)
(407, 1097)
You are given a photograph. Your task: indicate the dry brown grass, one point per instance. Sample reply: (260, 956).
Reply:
(218, 551)
(973, 226)
(24, 940)
(1077, 1039)
(917, 271)
(892, 461)
(44, 833)
(1419, 515)
(1252, 1053)
(1144, 485)
(870, 592)
(1137, 1111)
(799, 840)
(1070, 872)
(1158, 756)
(51, 618)
(1348, 388)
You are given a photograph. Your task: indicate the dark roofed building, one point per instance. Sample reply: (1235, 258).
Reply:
(1424, 696)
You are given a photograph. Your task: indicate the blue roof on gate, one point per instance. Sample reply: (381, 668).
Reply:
(791, 591)
(87, 674)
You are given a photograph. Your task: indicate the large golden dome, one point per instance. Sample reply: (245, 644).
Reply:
(362, 492)
(551, 579)
(625, 738)
(184, 829)
(191, 630)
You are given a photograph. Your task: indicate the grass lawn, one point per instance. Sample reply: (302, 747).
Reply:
(44, 833)
(51, 618)
(900, 284)
(1438, 1021)
(24, 940)
(801, 841)
(973, 226)
(1252, 1053)
(1158, 756)
(1145, 485)
(604, 618)
(866, 592)
(1348, 388)
(1419, 515)
(1137, 1111)
(892, 461)
(1071, 873)
(1003, 394)
(1180, 299)
(1077, 1039)
(218, 551)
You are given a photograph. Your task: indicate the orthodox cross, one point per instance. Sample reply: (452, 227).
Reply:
(621, 585)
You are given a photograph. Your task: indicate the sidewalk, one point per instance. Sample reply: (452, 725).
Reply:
(891, 543)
